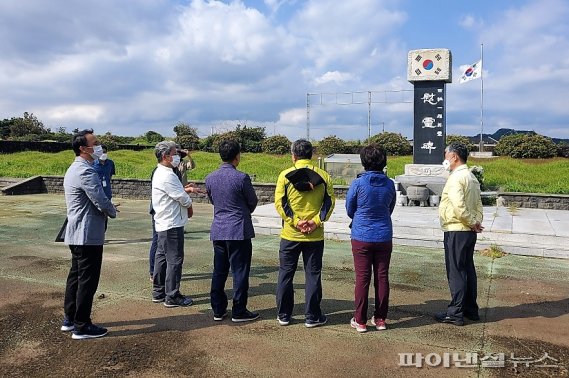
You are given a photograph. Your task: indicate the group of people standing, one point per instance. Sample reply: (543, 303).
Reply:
(304, 198)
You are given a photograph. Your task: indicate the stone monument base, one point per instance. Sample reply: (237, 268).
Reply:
(433, 176)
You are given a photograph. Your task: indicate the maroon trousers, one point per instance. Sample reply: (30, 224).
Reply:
(368, 258)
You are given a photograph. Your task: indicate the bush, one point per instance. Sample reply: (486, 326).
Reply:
(507, 144)
(110, 141)
(278, 145)
(526, 146)
(353, 147)
(230, 135)
(152, 137)
(563, 149)
(251, 145)
(188, 142)
(331, 145)
(478, 172)
(393, 143)
(206, 144)
(461, 139)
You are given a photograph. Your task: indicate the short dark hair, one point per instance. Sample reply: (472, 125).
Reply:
(80, 139)
(459, 149)
(373, 157)
(104, 147)
(228, 150)
(302, 149)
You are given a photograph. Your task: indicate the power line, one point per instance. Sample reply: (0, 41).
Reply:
(399, 96)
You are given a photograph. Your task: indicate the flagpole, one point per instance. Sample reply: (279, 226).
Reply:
(481, 149)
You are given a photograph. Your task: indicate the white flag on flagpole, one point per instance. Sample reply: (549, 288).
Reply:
(474, 71)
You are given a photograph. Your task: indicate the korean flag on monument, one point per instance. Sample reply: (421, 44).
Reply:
(472, 72)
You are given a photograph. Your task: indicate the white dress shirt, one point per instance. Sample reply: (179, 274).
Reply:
(169, 200)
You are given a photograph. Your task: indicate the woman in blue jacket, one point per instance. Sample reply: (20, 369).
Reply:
(370, 202)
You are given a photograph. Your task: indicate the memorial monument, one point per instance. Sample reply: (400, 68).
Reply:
(428, 70)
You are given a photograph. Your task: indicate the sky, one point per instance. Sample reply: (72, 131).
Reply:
(131, 66)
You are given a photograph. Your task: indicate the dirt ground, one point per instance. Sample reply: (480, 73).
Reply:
(524, 308)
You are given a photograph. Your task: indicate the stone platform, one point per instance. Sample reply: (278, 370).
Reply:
(530, 232)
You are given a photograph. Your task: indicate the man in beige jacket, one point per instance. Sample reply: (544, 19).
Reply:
(460, 213)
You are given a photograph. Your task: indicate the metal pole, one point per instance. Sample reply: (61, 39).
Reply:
(308, 116)
(369, 114)
(481, 96)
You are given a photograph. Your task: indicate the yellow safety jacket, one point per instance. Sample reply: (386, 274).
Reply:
(293, 205)
(461, 205)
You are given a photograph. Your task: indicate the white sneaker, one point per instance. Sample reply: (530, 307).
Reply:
(379, 324)
(361, 328)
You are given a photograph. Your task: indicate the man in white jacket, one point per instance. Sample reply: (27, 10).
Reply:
(171, 203)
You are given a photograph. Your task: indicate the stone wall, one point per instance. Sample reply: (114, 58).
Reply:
(534, 200)
(11, 146)
(140, 189)
(137, 189)
(5, 181)
(32, 185)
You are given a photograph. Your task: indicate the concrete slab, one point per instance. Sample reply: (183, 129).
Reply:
(523, 301)
(531, 232)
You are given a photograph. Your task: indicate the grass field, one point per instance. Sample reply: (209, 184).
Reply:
(506, 174)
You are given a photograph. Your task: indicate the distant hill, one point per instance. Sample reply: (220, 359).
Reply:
(494, 138)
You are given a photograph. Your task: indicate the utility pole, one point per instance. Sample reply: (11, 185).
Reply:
(369, 114)
(308, 116)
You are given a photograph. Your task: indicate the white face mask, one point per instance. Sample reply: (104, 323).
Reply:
(103, 157)
(446, 164)
(175, 160)
(97, 152)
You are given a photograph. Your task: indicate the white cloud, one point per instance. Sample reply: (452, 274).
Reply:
(470, 22)
(335, 76)
(293, 117)
(341, 33)
(143, 65)
(64, 113)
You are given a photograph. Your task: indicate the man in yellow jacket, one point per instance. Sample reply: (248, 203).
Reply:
(304, 198)
(460, 213)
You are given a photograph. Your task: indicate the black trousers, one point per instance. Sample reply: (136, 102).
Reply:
(312, 258)
(82, 283)
(234, 254)
(461, 273)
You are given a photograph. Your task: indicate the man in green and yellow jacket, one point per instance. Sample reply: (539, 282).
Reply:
(460, 213)
(304, 198)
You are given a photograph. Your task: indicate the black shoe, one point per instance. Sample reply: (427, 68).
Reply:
(309, 323)
(90, 331)
(67, 325)
(473, 317)
(442, 317)
(247, 316)
(218, 318)
(178, 301)
(284, 320)
(158, 300)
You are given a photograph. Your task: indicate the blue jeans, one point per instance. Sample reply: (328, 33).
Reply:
(234, 254)
(312, 258)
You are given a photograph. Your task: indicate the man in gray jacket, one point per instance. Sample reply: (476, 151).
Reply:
(87, 210)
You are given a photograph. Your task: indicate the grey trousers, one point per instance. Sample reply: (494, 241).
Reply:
(168, 263)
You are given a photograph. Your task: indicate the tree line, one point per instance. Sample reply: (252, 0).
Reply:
(254, 139)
